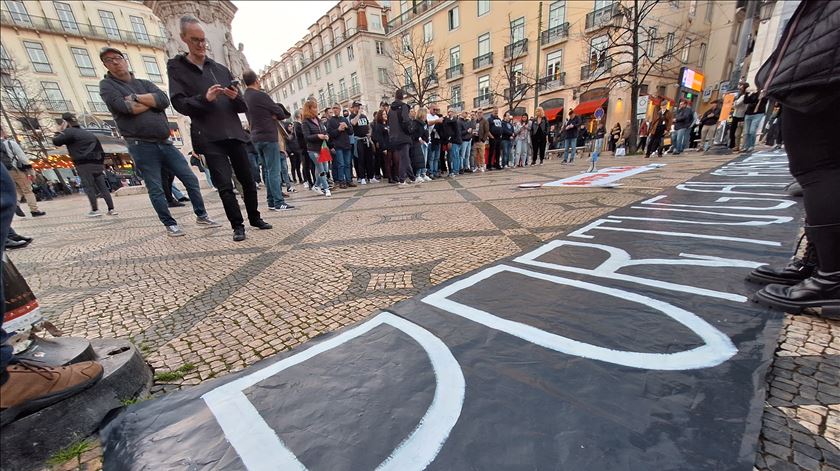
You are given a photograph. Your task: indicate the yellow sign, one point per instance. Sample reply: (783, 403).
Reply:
(728, 100)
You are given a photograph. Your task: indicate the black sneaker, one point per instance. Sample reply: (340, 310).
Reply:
(38, 213)
(239, 234)
(283, 207)
(262, 225)
(817, 291)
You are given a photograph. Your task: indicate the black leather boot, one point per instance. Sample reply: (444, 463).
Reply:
(798, 269)
(817, 291)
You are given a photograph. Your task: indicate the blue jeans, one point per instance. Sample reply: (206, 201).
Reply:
(680, 137)
(321, 170)
(433, 158)
(466, 147)
(569, 144)
(255, 168)
(270, 153)
(751, 122)
(150, 157)
(176, 192)
(596, 148)
(209, 179)
(454, 162)
(507, 145)
(8, 203)
(344, 159)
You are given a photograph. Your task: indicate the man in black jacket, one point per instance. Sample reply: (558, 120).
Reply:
(138, 106)
(398, 135)
(263, 116)
(340, 130)
(86, 152)
(206, 91)
(709, 121)
(454, 133)
(570, 133)
(364, 144)
(494, 157)
(682, 122)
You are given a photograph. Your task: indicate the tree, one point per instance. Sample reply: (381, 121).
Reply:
(629, 53)
(417, 68)
(513, 81)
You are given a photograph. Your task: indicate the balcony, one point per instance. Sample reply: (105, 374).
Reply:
(459, 106)
(516, 49)
(431, 80)
(410, 87)
(355, 90)
(555, 34)
(594, 72)
(81, 30)
(98, 106)
(518, 91)
(331, 99)
(483, 101)
(601, 17)
(418, 9)
(456, 71)
(551, 82)
(343, 95)
(482, 61)
(59, 106)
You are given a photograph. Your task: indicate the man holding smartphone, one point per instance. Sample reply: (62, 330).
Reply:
(206, 91)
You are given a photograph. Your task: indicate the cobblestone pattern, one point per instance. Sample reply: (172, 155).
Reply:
(221, 306)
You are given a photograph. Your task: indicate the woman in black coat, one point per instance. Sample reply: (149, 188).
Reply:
(382, 146)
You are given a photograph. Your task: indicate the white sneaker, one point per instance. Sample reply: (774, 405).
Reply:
(363, 181)
(374, 180)
(327, 193)
(426, 178)
(174, 231)
(113, 212)
(306, 185)
(317, 189)
(94, 214)
(291, 189)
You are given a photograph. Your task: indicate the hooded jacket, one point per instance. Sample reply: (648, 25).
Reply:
(150, 125)
(496, 126)
(82, 145)
(398, 123)
(210, 121)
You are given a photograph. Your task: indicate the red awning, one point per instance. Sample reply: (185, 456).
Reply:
(552, 113)
(589, 107)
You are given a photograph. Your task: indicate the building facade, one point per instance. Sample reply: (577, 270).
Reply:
(50, 58)
(343, 58)
(562, 54)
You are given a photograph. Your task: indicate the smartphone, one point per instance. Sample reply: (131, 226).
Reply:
(233, 84)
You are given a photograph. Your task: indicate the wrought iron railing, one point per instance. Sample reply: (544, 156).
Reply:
(83, 30)
(555, 34)
(482, 61)
(602, 16)
(455, 71)
(552, 81)
(516, 49)
(595, 71)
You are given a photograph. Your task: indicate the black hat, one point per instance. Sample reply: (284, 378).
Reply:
(70, 118)
(355, 104)
(107, 49)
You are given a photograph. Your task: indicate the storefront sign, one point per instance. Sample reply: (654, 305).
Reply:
(724, 87)
(691, 79)
(642, 106)
(726, 108)
(707, 94)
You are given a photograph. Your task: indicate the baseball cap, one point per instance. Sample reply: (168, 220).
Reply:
(355, 104)
(108, 49)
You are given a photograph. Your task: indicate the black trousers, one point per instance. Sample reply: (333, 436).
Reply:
(225, 159)
(294, 158)
(538, 145)
(815, 163)
(654, 145)
(167, 178)
(733, 130)
(93, 179)
(494, 159)
(365, 160)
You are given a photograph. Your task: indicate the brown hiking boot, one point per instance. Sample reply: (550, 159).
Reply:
(32, 387)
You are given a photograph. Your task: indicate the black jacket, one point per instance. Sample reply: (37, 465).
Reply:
(710, 117)
(211, 121)
(541, 126)
(310, 134)
(263, 115)
(300, 140)
(82, 145)
(573, 132)
(150, 125)
(418, 131)
(495, 126)
(379, 134)
(466, 133)
(398, 123)
(339, 139)
(507, 130)
(453, 130)
(683, 118)
(809, 70)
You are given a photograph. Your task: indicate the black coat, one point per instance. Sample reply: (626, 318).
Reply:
(339, 139)
(809, 69)
(310, 132)
(379, 134)
(82, 145)
(453, 130)
(398, 122)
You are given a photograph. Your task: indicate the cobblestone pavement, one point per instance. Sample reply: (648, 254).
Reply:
(219, 305)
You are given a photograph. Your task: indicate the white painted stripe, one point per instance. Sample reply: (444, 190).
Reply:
(782, 204)
(596, 224)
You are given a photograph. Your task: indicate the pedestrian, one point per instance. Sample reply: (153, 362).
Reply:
(658, 127)
(643, 134)
(539, 135)
(264, 118)
(801, 74)
(615, 135)
(774, 127)
(434, 121)
(398, 135)
(756, 107)
(19, 167)
(365, 155)
(597, 145)
(381, 144)
(340, 130)
(481, 138)
(308, 165)
(708, 123)
(316, 137)
(520, 140)
(494, 158)
(207, 92)
(467, 160)
(293, 146)
(570, 143)
(419, 135)
(86, 152)
(739, 110)
(682, 122)
(454, 128)
(507, 140)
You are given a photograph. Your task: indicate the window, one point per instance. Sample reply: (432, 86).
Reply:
(382, 75)
(38, 57)
(52, 92)
(709, 5)
(342, 87)
(139, 28)
(338, 60)
(404, 6)
(406, 43)
(94, 98)
(517, 71)
(14, 91)
(6, 61)
(376, 23)
(685, 52)
(701, 60)
(354, 81)
(454, 19)
(598, 51)
(322, 99)
(152, 69)
(455, 56)
(483, 8)
(692, 8)
(455, 93)
(669, 45)
(285, 93)
(430, 66)
(484, 44)
(484, 86)
(83, 62)
(557, 14)
(317, 72)
(327, 66)
(599, 4)
(331, 92)
(380, 48)
(350, 54)
(66, 17)
(554, 65)
(19, 13)
(308, 78)
(427, 32)
(409, 76)
(517, 30)
(291, 87)
(110, 24)
(300, 83)
(651, 49)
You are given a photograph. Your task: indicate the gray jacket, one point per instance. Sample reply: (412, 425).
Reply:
(150, 125)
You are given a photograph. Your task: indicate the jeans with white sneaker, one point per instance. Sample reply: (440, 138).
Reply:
(273, 158)
(321, 170)
(433, 158)
(466, 147)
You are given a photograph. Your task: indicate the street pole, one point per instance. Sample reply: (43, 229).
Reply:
(537, 72)
(743, 43)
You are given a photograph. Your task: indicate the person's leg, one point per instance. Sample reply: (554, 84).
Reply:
(208, 178)
(348, 166)
(254, 165)
(8, 203)
(86, 172)
(434, 159)
(497, 148)
(222, 174)
(284, 169)
(24, 188)
(149, 160)
(405, 163)
(566, 150)
(239, 162)
(271, 155)
(176, 193)
(541, 148)
(456, 161)
(102, 187)
(177, 165)
(466, 146)
(368, 160)
(320, 178)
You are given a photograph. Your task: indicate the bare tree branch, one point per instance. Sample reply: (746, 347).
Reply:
(417, 68)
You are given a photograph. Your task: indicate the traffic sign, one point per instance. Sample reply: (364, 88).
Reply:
(599, 113)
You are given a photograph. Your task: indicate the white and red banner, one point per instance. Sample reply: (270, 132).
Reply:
(601, 178)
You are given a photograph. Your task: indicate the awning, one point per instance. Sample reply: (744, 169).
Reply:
(553, 113)
(110, 145)
(589, 107)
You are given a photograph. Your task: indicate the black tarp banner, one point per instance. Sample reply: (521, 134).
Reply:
(627, 344)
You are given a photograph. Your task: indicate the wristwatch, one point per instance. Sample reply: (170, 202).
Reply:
(134, 98)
